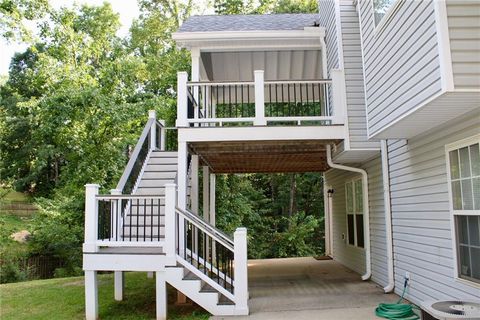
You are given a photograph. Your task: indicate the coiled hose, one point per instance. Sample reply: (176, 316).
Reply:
(397, 311)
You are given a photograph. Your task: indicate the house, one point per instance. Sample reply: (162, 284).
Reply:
(382, 97)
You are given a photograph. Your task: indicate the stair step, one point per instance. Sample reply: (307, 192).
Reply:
(224, 301)
(190, 276)
(166, 154)
(159, 175)
(208, 288)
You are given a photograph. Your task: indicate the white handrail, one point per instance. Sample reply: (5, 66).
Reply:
(210, 230)
(134, 156)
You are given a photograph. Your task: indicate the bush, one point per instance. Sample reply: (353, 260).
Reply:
(12, 267)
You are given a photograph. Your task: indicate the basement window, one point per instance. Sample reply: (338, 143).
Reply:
(354, 208)
(463, 164)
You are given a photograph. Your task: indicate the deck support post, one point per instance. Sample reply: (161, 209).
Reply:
(211, 218)
(161, 295)
(259, 99)
(91, 295)
(152, 114)
(241, 271)
(182, 99)
(206, 192)
(182, 201)
(119, 285)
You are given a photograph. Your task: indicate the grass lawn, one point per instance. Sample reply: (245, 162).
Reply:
(64, 299)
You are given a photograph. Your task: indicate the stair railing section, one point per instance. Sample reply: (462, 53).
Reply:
(261, 102)
(130, 220)
(213, 256)
(153, 137)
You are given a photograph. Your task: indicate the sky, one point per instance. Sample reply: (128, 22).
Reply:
(128, 10)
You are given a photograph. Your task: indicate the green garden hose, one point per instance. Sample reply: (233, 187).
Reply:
(397, 311)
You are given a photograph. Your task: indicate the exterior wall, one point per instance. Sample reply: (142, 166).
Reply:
(420, 214)
(401, 60)
(464, 31)
(350, 256)
(353, 66)
(342, 40)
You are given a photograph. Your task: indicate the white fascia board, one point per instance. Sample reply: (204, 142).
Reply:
(184, 38)
(333, 132)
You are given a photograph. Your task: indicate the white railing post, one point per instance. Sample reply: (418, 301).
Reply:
(241, 271)
(170, 228)
(91, 218)
(339, 96)
(152, 114)
(163, 137)
(182, 99)
(259, 99)
(116, 214)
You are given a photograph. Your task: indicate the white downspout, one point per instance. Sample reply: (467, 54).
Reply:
(366, 213)
(388, 217)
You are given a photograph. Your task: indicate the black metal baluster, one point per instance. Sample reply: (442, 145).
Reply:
(224, 264)
(131, 220)
(217, 265)
(185, 230)
(248, 100)
(204, 253)
(289, 101)
(236, 102)
(276, 98)
(295, 96)
(270, 99)
(151, 219)
(117, 213)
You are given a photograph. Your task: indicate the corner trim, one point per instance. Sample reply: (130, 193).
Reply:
(443, 43)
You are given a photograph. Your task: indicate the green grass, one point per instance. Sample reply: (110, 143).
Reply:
(64, 299)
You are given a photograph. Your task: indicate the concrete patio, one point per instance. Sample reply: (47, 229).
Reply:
(306, 288)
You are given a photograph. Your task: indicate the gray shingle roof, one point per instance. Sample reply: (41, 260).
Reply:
(249, 22)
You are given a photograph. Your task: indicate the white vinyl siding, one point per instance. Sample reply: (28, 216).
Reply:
(421, 218)
(353, 65)
(464, 32)
(401, 62)
(351, 256)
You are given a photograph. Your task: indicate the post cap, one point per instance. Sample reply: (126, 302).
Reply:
(152, 114)
(241, 230)
(92, 186)
(116, 191)
(258, 71)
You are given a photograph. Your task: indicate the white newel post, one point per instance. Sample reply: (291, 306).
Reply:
(152, 114)
(91, 218)
(163, 137)
(259, 98)
(170, 228)
(339, 96)
(195, 55)
(182, 100)
(241, 271)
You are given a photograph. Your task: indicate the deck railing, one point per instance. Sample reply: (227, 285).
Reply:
(260, 102)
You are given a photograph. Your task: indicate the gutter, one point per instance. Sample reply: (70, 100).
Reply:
(366, 213)
(388, 217)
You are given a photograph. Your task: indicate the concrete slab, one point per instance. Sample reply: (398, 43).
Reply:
(305, 288)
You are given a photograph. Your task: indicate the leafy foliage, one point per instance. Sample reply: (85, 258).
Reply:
(75, 101)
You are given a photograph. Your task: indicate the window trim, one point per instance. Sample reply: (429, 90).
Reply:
(450, 147)
(378, 28)
(354, 213)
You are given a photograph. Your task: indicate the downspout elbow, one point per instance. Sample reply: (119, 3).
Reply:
(368, 267)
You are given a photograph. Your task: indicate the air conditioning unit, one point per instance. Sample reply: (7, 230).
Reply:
(450, 310)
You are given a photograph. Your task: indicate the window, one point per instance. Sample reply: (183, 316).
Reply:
(463, 160)
(354, 203)
(380, 9)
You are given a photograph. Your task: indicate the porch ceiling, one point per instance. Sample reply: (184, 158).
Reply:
(278, 65)
(263, 156)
